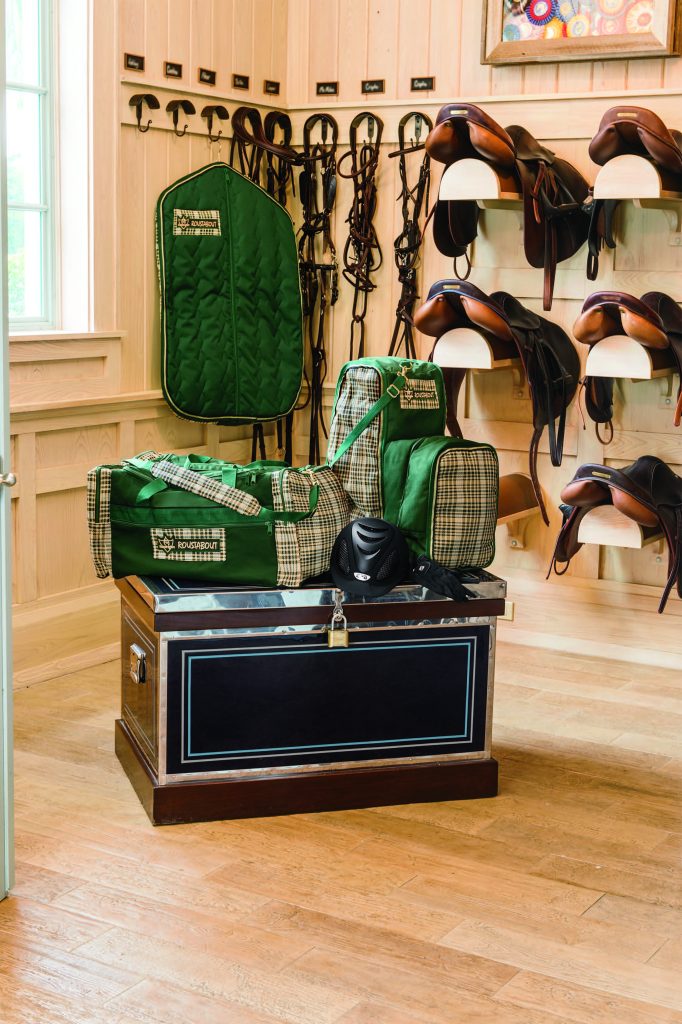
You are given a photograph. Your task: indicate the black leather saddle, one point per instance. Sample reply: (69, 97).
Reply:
(549, 360)
(647, 492)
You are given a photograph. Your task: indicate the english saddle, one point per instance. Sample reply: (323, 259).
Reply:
(654, 320)
(638, 131)
(647, 491)
(555, 221)
(549, 360)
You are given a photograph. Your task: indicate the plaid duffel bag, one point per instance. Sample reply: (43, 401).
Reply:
(193, 517)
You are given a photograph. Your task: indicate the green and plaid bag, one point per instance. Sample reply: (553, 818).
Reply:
(194, 517)
(377, 401)
(442, 493)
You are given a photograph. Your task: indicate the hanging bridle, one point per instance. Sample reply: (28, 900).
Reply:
(317, 258)
(362, 253)
(406, 246)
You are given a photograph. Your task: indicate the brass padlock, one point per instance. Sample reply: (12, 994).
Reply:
(337, 634)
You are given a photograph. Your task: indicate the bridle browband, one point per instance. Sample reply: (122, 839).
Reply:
(406, 246)
(362, 252)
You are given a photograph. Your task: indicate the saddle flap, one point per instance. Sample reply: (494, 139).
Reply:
(606, 313)
(462, 130)
(638, 131)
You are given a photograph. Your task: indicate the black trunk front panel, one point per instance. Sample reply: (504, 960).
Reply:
(287, 699)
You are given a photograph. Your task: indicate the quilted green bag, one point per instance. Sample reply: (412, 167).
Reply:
(442, 493)
(193, 517)
(231, 321)
(377, 401)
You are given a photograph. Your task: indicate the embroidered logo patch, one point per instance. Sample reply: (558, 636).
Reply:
(419, 394)
(196, 222)
(189, 544)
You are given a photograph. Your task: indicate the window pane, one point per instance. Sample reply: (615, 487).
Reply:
(22, 28)
(23, 147)
(24, 264)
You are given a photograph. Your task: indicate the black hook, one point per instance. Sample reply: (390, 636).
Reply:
(138, 102)
(173, 107)
(209, 113)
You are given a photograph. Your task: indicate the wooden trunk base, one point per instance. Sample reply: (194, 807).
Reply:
(333, 790)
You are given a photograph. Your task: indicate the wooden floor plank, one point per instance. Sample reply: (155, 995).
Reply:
(560, 901)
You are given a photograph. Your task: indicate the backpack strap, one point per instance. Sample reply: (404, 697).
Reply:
(391, 392)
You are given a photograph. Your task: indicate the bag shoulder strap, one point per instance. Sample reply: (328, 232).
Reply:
(391, 392)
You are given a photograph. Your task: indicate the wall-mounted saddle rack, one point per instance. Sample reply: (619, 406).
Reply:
(634, 177)
(606, 525)
(465, 348)
(621, 356)
(516, 506)
(471, 179)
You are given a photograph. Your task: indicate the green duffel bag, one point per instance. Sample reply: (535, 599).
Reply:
(442, 493)
(193, 517)
(377, 401)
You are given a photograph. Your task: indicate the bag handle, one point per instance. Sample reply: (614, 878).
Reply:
(231, 497)
(391, 392)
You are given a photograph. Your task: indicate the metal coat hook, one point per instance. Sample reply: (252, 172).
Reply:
(138, 102)
(174, 107)
(209, 113)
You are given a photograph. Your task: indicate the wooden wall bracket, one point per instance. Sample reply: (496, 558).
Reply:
(620, 356)
(517, 505)
(465, 348)
(634, 177)
(471, 179)
(606, 525)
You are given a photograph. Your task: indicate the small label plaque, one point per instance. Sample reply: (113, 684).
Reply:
(207, 77)
(240, 81)
(373, 85)
(327, 88)
(271, 88)
(133, 62)
(424, 83)
(172, 70)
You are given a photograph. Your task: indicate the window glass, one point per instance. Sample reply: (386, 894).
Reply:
(22, 26)
(24, 264)
(23, 147)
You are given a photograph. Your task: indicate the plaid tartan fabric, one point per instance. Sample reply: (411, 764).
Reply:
(359, 470)
(99, 522)
(207, 487)
(464, 516)
(419, 394)
(189, 544)
(304, 549)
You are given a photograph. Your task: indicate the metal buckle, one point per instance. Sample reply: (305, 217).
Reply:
(395, 392)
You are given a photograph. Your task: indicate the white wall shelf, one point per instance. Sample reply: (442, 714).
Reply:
(465, 348)
(476, 180)
(606, 525)
(620, 356)
(633, 177)
(517, 504)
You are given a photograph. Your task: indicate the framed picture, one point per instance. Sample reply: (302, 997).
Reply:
(530, 31)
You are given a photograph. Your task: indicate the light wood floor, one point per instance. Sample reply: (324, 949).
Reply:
(561, 900)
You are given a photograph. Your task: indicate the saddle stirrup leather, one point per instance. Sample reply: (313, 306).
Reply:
(413, 199)
(317, 258)
(362, 252)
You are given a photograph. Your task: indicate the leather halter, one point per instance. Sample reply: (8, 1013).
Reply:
(317, 257)
(279, 170)
(362, 252)
(413, 199)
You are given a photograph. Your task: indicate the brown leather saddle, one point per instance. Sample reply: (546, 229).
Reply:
(639, 131)
(555, 222)
(654, 320)
(647, 492)
(549, 359)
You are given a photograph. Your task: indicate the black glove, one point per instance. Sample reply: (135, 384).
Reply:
(436, 577)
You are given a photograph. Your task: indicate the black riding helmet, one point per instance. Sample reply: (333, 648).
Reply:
(369, 558)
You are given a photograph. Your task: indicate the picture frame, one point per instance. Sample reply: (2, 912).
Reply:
(538, 31)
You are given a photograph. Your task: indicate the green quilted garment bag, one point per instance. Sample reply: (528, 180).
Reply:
(377, 401)
(231, 321)
(193, 517)
(442, 493)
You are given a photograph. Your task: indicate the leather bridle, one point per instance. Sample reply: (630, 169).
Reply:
(317, 257)
(413, 200)
(362, 252)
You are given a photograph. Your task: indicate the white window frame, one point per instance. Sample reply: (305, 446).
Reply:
(47, 92)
